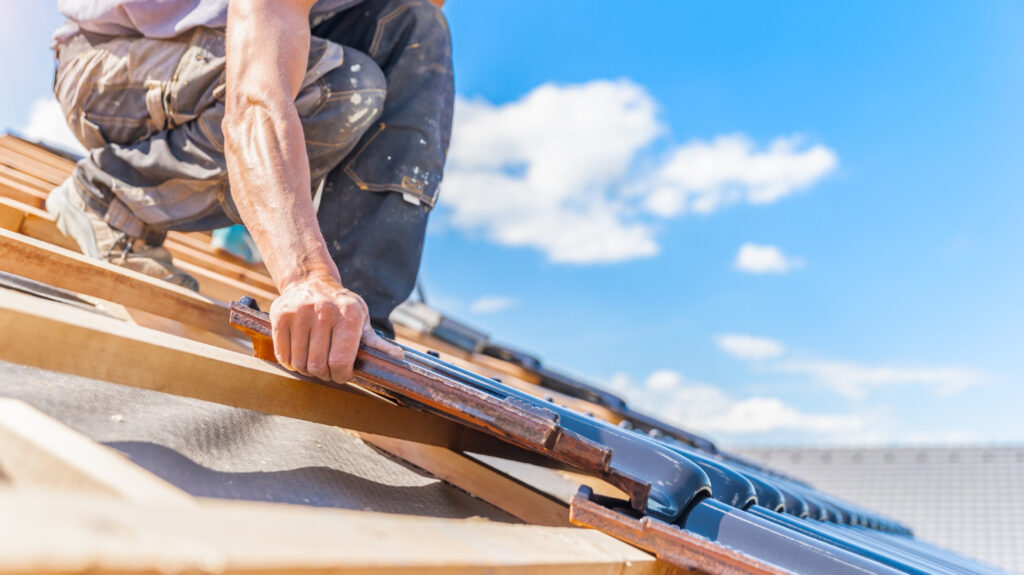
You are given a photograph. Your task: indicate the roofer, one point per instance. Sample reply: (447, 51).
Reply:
(198, 114)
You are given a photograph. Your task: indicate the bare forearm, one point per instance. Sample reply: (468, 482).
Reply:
(270, 184)
(264, 144)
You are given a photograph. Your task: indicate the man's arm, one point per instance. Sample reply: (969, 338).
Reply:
(317, 323)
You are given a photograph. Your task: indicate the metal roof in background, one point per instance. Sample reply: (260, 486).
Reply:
(967, 499)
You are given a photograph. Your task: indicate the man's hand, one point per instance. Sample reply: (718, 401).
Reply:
(317, 326)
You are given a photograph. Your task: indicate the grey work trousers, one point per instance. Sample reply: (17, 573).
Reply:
(375, 106)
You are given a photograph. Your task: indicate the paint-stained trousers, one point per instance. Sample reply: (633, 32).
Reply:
(376, 111)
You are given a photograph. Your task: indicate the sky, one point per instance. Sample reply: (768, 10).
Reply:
(784, 223)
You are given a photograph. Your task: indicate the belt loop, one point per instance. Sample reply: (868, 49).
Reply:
(155, 105)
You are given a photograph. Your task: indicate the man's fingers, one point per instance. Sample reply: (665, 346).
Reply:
(344, 346)
(374, 341)
(282, 342)
(300, 345)
(319, 350)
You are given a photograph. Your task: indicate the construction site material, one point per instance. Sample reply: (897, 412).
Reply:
(657, 480)
(64, 268)
(64, 533)
(53, 336)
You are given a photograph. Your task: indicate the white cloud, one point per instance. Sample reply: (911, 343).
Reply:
(764, 259)
(850, 379)
(46, 123)
(854, 380)
(749, 347)
(709, 409)
(703, 177)
(556, 171)
(542, 171)
(663, 380)
(492, 304)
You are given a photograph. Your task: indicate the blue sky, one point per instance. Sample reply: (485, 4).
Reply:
(780, 222)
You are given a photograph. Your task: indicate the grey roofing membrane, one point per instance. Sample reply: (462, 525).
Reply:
(967, 499)
(213, 450)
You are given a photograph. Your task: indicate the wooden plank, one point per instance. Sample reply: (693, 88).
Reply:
(25, 179)
(39, 225)
(35, 223)
(14, 143)
(478, 480)
(559, 484)
(32, 166)
(201, 241)
(38, 451)
(53, 336)
(214, 285)
(11, 219)
(34, 259)
(64, 533)
(185, 253)
(22, 193)
(167, 325)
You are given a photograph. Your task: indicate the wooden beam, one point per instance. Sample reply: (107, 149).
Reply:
(10, 219)
(53, 336)
(35, 223)
(186, 253)
(182, 251)
(34, 259)
(215, 285)
(37, 451)
(24, 194)
(39, 225)
(28, 148)
(63, 533)
(201, 241)
(30, 165)
(25, 178)
(478, 480)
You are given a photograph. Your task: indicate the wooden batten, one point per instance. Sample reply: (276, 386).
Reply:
(63, 533)
(66, 269)
(479, 480)
(38, 224)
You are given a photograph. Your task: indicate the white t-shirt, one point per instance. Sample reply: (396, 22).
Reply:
(156, 18)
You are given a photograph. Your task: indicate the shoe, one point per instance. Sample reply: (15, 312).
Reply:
(98, 240)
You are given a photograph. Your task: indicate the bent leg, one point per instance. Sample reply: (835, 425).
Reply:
(169, 171)
(374, 208)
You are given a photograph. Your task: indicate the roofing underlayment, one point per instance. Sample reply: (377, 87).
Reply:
(139, 434)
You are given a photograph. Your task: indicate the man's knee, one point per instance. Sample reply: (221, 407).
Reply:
(351, 101)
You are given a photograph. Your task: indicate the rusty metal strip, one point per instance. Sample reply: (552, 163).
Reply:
(668, 542)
